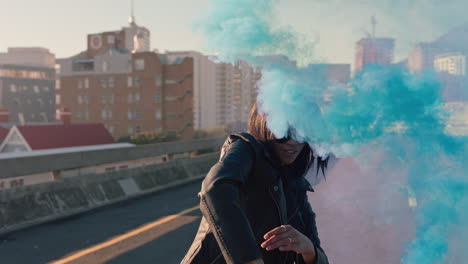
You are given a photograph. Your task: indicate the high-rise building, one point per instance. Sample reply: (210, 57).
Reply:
(423, 55)
(25, 56)
(452, 73)
(205, 89)
(331, 73)
(117, 81)
(373, 51)
(237, 91)
(223, 92)
(452, 63)
(447, 55)
(27, 85)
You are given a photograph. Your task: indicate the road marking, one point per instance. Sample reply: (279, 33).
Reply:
(123, 237)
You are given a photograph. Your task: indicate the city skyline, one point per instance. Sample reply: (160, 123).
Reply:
(334, 25)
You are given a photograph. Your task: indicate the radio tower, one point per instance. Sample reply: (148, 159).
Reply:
(374, 24)
(131, 19)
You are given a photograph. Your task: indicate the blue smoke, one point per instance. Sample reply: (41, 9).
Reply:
(242, 29)
(401, 112)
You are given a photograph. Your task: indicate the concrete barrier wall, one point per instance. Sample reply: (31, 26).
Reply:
(35, 204)
(19, 166)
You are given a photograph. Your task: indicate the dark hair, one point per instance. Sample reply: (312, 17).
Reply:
(257, 127)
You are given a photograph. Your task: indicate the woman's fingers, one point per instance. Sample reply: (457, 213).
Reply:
(289, 236)
(277, 230)
(283, 242)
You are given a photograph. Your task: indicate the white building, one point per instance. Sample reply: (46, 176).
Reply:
(205, 89)
(452, 63)
(223, 92)
(34, 56)
(240, 91)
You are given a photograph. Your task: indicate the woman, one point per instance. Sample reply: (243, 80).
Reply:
(254, 202)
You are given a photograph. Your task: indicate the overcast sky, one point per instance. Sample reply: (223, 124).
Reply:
(62, 25)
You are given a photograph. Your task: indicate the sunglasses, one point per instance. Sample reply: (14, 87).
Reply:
(284, 139)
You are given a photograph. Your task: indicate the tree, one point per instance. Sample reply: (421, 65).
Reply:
(149, 137)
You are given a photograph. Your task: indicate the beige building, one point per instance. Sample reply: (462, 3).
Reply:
(26, 56)
(239, 86)
(452, 63)
(223, 92)
(117, 81)
(373, 51)
(27, 86)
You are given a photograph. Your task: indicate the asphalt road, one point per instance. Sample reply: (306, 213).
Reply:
(164, 242)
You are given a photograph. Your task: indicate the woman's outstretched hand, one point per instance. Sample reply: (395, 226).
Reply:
(287, 238)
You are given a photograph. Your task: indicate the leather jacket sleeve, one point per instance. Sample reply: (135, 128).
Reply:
(220, 202)
(312, 234)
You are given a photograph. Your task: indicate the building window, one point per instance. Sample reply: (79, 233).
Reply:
(129, 63)
(137, 129)
(58, 68)
(158, 81)
(103, 99)
(36, 89)
(21, 117)
(137, 81)
(45, 89)
(79, 99)
(57, 99)
(105, 66)
(86, 115)
(12, 88)
(157, 114)
(111, 82)
(41, 103)
(171, 115)
(43, 117)
(129, 81)
(85, 99)
(130, 115)
(157, 98)
(78, 115)
(110, 114)
(111, 98)
(137, 98)
(57, 85)
(86, 83)
(137, 114)
(170, 98)
(130, 98)
(104, 83)
(80, 84)
(130, 130)
(110, 39)
(111, 130)
(139, 64)
(103, 114)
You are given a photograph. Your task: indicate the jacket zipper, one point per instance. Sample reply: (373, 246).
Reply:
(277, 208)
(293, 214)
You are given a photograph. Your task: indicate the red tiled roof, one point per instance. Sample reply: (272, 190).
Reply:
(63, 136)
(3, 134)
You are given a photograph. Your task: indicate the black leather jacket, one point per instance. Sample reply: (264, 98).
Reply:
(242, 198)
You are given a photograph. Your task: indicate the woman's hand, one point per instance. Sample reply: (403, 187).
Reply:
(287, 238)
